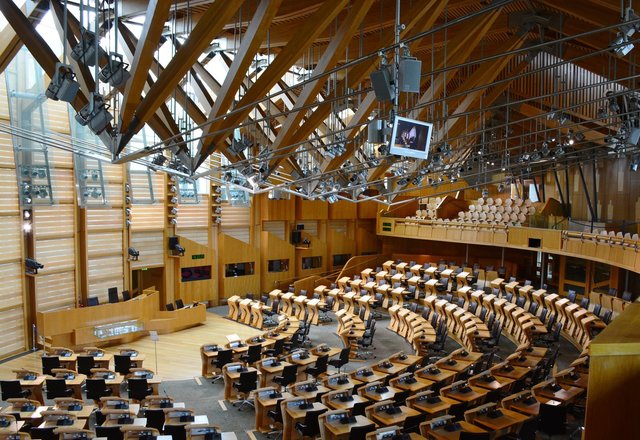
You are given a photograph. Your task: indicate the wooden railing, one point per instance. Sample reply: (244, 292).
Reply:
(617, 251)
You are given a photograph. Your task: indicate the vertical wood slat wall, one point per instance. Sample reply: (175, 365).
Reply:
(12, 310)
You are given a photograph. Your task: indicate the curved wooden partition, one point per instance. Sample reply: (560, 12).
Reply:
(616, 251)
(115, 323)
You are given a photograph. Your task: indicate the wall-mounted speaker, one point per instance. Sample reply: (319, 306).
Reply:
(296, 237)
(409, 75)
(173, 241)
(381, 83)
(535, 242)
(300, 227)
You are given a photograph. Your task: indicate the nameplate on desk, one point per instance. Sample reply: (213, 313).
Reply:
(64, 421)
(105, 376)
(236, 344)
(4, 422)
(117, 404)
(238, 369)
(74, 436)
(178, 415)
(29, 376)
(210, 348)
(130, 353)
(96, 353)
(74, 407)
(65, 353)
(143, 374)
(28, 407)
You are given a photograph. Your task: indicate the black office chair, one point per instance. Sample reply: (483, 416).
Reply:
(276, 350)
(97, 388)
(319, 368)
(100, 417)
(44, 433)
(139, 389)
(109, 432)
(179, 304)
(122, 364)
(93, 301)
(401, 396)
(276, 416)
(57, 388)
(550, 338)
(342, 360)
(553, 420)
(412, 423)
(289, 375)
(584, 303)
(324, 310)
(169, 307)
(253, 354)
(365, 344)
(527, 431)
(177, 432)
(85, 364)
(155, 419)
(126, 296)
(11, 389)
(360, 432)
(113, 295)
(358, 408)
(224, 357)
(49, 363)
(247, 383)
(311, 426)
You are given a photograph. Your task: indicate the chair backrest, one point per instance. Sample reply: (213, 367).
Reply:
(113, 295)
(360, 432)
(138, 388)
(48, 363)
(122, 363)
(85, 364)
(110, 432)
(626, 295)
(96, 388)
(552, 419)
(465, 435)
(248, 381)
(177, 432)
(254, 353)
(321, 364)
(224, 357)
(92, 301)
(412, 423)
(278, 347)
(11, 389)
(179, 304)
(56, 388)
(170, 307)
(155, 418)
(44, 433)
(126, 296)
(311, 420)
(289, 374)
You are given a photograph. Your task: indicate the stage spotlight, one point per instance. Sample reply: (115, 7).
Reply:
(32, 266)
(115, 71)
(179, 249)
(95, 114)
(133, 254)
(63, 85)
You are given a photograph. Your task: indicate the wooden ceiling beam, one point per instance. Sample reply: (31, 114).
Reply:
(310, 90)
(156, 15)
(10, 42)
(218, 14)
(251, 40)
(282, 62)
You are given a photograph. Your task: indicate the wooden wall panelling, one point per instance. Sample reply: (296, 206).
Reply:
(368, 209)
(343, 210)
(338, 243)
(147, 217)
(311, 209)
(318, 248)
(4, 102)
(203, 290)
(273, 248)
(276, 209)
(55, 291)
(367, 240)
(231, 250)
(151, 248)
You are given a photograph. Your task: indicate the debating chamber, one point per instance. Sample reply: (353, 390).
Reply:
(319, 219)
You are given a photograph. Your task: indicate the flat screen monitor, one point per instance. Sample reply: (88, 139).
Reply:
(410, 138)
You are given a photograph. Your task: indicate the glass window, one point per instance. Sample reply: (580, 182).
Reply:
(238, 269)
(311, 262)
(278, 265)
(341, 259)
(575, 270)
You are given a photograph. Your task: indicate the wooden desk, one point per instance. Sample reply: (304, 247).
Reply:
(292, 414)
(230, 377)
(441, 376)
(511, 371)
(300, 390)
(507, 422)
(77, 424)
(497, 384)
(332, 382)
(391, 370)
(464, 355)
(374, 377)
(12, 428)
(197, 420)
(470, 397)
(269, 371)
(336, 430)
(329, 351)
(443, 434)
(459, 366)
(17, 412)
(103, 361)
(384, 419)
(264, 402)
(566, 394)
(35, 386)
(83, 413)
(415, 387)
(524, 361)
(371, 392)
(433, 408)
(572, 379)
(295, 359)
(337, 404)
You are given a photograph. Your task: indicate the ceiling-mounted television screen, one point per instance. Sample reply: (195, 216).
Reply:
(410, 138)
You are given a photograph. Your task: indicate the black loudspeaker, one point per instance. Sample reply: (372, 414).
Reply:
(300, 227)
(173, 241)
(381, 83)
(534, 242)
(296, 237)
(409, 75)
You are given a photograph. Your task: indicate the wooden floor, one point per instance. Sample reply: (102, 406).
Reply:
(178, 353)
